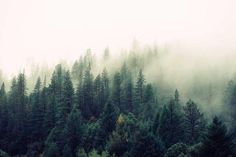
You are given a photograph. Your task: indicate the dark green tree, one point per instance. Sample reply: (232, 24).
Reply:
(147, 144)
(148, 103)
(176, 150)
(193, 122)
(37, 116)
(126, 90)
(105, 87)
(107, 125)
(216, 142)
(171, 124)
(3, 111)
(118, 142)
(87, 107)
(139, 91)
(98, 96)
(73, 131)
(18, 133)
(64, 107)
(116, 90)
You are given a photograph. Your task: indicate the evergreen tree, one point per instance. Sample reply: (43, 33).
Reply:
(4, 116)
(105, 87)
(65, 106)
(98, 96)
(51, 106)
(77, 71)
(192, 122)
(147, 144)
(156, 123)
(73, 131)
(126, 90)
(3, 110)
(37, 113)
(116, 92)
(118, 142)
(139, 91)
(177, 150)
(18, 145)
(171, 126)
(148, 103)
(87, 107)
(216, 143)
(107, 125)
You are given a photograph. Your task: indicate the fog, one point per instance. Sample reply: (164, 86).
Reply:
(48, 31)
(195, 40)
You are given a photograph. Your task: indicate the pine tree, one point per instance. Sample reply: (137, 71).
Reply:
(216, 143)
(87, 87)
(118, 142)
(107, 125)
(156, 123)
(116, 91)
(65, 106)
(146, 144)
(3, 109)
(98, 96)
(18, 123)
(139, 91)
(37, 113)
(77, 71)
(148, 103)
(105, 87)
(52, 104)
(126, 90)
(73, 131)
(4, 117)
(171, 126)
(192, 122)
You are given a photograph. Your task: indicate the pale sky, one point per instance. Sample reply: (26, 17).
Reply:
(47, 30)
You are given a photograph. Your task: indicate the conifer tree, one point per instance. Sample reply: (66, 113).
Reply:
(126, 90)
(217, 142)
(65, 106)
(98, 96)
(4, 116)
(19, 128)
(147, 144)
(107, 124)
(139, 91)
(192, 122)
(87, 87)
(116, 91)
(37, 116)
(171, 126)
(3, 109)
(73, 131)
(105, 87)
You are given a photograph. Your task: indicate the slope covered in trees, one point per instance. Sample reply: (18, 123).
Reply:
(83, 112)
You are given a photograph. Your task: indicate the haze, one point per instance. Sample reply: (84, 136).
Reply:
(49, 30)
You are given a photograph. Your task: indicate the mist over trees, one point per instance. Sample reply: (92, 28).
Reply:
(120, 106)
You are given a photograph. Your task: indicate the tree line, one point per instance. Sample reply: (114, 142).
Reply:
(118, 115)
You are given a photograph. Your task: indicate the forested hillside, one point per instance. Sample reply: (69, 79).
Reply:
(103, 107)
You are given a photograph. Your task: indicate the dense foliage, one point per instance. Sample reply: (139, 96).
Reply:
(111, 114)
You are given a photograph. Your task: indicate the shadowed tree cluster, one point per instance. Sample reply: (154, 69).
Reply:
(81, 113)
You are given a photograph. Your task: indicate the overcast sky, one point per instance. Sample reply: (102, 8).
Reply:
(47, 30)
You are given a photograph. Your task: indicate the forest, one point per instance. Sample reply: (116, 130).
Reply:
(103, 107)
